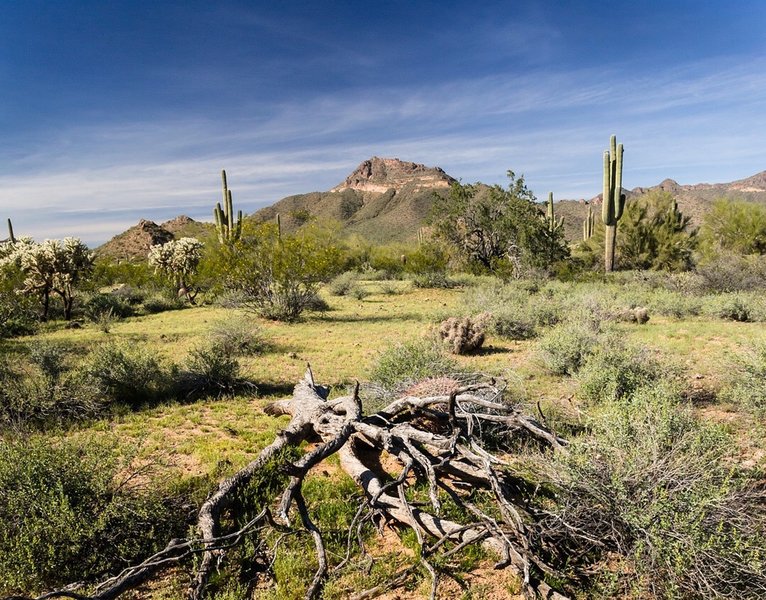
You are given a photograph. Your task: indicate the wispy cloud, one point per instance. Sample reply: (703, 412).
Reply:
(700, 121)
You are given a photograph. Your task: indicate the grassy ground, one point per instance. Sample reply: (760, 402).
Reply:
(212, 438)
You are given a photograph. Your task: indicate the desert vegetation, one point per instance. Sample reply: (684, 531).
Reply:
(489, 411)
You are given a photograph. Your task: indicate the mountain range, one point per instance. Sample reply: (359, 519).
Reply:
(388, 200)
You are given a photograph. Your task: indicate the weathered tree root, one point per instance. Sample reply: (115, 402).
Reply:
(446, 454)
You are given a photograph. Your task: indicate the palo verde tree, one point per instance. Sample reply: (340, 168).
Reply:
(497, 229)
(278, 275)
(733, 226)
(52, 267)
(178, 260)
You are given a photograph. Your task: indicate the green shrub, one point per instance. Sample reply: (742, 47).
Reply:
(210, 371)
(433, 280)
(69, 515)
(237, 335)
(403, 364)
(160, 303)
(343, 284)
(564, 349)
(614, 370)
(678, 305)
(100, 304)
(740, 307)
(747, 384)
(127, 374)
(43, 391)
(649, 495)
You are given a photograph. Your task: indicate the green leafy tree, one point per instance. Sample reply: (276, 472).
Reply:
(733, 226)
(52, 267)
(178, 260)
(497, 229)
(278, 276)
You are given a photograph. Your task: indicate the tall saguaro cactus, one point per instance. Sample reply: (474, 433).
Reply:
(10, 232)
(614, 200)
(550, 216)
(228, 230)
(587, 225)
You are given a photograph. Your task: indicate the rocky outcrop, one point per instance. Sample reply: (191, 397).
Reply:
(382, 174)
(134, 243)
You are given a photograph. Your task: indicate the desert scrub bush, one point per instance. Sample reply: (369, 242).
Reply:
(433, 280)
(98, 305)
(237, 335)
(676, 304)
(614, 370)
(158, 303)
(462, 335)
(400, 365)
(42, 390)
(210, 370)
(739, 306)
(648, 499)
(71, 512)
(564, 349)
(746, 386)
(127, 374)
(343, 284)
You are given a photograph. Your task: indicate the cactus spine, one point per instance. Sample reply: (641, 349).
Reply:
(614, 200)
(587, 225)
(10, 232)
(228, 230)
(550, 216)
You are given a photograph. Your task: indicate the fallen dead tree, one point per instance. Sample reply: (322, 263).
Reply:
(436, 440)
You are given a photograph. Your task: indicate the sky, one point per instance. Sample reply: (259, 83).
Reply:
(112, 111)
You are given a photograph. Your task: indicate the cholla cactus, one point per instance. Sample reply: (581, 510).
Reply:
(52, 266)
(178, 260)
(462, 336)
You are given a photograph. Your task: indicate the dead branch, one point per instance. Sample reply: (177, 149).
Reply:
(436, 441)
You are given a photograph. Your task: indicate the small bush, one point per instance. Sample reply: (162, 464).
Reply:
(747, 385)
(728, 272)
(68, 516)
(44, 391)
(237, 335)
(435, 279)
(160, 303)
(615, 370)
(462, 336)
(741, 306)
(210, 371)
(100, 304)
(676, 304)
(359, 292)
(649, 496)
(564, 349)
(403, 364)
(131, 375)
(343, 284)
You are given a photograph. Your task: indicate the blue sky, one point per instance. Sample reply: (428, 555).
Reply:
(115, 110)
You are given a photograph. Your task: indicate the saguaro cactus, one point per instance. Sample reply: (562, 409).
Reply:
(614, 200)
(550, 216)
(587, 225)
(228, 230)
(10, 232)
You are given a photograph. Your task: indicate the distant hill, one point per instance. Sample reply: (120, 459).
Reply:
(693, 200)
(383, 199)
(134, 243)
(388, 200)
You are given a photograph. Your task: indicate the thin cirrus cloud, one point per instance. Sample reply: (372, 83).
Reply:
(694, 122)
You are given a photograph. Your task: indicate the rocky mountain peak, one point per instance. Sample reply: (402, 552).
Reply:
(382, 174)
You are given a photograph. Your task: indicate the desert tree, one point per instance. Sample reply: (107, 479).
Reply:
(497, 229)
(178, 260)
